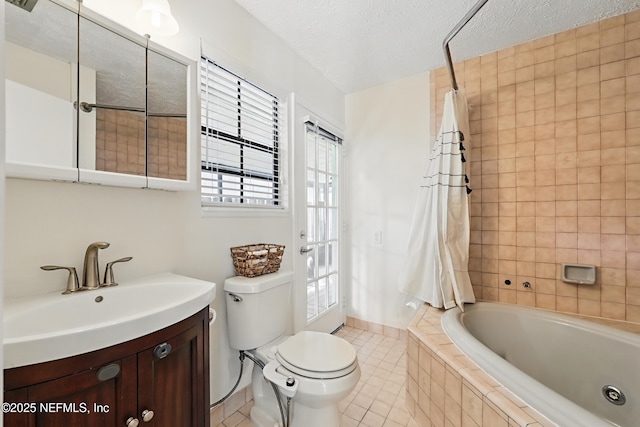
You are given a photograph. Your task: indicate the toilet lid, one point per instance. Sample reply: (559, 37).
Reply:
(317, 355)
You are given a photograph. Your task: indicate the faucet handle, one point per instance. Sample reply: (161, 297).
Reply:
(109, 280)
(72, 281)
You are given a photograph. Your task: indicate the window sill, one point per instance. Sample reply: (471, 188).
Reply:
(243, 212)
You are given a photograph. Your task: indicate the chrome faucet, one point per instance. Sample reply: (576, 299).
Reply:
(90, 270)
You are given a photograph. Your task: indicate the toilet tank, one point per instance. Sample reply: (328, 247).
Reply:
(257, 308)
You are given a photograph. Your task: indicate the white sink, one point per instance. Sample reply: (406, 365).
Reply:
(54, 326)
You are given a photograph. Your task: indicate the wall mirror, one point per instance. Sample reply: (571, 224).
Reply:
(41, 72)
(91, 101)
(167, 81)
(112, 103)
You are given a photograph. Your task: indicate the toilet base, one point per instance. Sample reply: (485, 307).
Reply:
(261, 418)
(302, 417)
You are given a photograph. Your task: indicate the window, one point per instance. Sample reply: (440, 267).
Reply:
(242, 131)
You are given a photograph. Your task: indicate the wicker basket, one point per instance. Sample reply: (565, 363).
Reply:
(256, 260)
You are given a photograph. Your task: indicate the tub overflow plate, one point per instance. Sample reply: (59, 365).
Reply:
(614, 395)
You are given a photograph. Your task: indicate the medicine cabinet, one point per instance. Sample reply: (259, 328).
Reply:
(90, 101)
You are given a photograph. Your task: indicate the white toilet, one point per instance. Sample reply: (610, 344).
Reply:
(317, 369)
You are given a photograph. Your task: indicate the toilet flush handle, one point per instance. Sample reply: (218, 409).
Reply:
(235, 298)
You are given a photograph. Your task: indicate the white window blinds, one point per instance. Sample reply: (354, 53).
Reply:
(242, 131)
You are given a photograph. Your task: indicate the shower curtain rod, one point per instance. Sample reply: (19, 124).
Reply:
(452, 34)
(87, 108)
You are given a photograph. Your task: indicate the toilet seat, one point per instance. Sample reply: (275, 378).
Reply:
(317, 355)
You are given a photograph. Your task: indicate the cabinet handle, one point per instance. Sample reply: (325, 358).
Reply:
(162, 350)
(132, 422)
(147, 415)
(108, 372)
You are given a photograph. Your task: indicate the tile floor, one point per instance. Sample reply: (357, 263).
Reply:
(378, 399)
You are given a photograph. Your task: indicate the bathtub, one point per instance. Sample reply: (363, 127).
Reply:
(559, 365)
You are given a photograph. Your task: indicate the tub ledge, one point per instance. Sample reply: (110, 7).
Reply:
(444, 384)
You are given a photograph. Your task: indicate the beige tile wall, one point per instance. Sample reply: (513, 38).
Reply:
(555, 167)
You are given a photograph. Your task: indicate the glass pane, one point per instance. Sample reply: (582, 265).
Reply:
(258, 191)
(332, 191)
(322, 294)
(229, 188)
(311, 224)
(311, 150)
(333, 159)
(322, 189)
(322, 260)
(311, 188)
(333, 256)
(311, 263)
(224, 153)
(322, 225)
(322, 154)
(256, 115)
(332, 224)
(258, 161)
(333, 289)
(312, 309)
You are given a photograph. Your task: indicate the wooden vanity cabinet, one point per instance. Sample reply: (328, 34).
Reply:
(166, 372)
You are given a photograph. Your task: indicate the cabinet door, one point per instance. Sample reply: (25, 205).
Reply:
(91, 398)
(172, 382)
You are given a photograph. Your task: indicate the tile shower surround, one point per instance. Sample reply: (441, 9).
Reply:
(554, 163)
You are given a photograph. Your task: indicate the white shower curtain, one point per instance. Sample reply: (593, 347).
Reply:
(436, 269)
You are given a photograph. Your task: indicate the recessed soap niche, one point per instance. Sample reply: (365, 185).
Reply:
(579, 274)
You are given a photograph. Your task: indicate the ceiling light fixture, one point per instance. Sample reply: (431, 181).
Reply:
(156, 19)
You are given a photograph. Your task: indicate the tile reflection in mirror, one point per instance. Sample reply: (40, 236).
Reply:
(167, 117)
(112, 77)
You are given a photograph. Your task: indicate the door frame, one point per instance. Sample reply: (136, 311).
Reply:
(336, 315)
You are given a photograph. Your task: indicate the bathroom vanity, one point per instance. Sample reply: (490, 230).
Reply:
(129, 355)
(161, 378)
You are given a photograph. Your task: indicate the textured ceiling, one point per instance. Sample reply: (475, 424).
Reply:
(362, 43)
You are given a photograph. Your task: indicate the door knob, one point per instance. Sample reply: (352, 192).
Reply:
(304, 250)
(132, 422)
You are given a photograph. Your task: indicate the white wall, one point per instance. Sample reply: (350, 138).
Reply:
(2, 146)
(387, 142)
(52, 223)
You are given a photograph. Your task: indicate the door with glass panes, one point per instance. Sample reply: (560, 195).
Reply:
(318, 220)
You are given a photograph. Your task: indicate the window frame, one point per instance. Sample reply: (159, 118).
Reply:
(217, 170)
